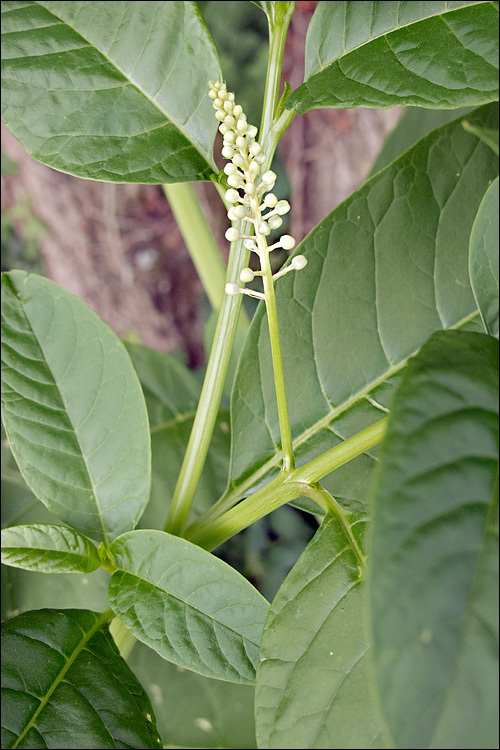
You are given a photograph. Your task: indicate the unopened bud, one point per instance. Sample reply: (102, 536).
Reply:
(232, 234)
(275, 221)
(247, 275)
(287, 242)
(232, 289)
(232, 196)
(300, 261)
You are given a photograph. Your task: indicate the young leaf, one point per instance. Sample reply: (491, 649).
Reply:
(73, 408)
(386, 55)
(111, 92)
(186, 604)
(172, 393)
(313, 683)
(192, 710)
(483, 259)
(434, 549)
(64, 684)
(45, 548)
(386, 269)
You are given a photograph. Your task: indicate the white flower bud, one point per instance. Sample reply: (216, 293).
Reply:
(228, 106)
(239, 161)
(275, 221)
(253, 169)
(287, 242)
(239, 212)
(242, 125)
(270, 200)
(221, 115)
(219, 103)
(229, 136)
(261, 158)
(232, 234)
(263, 228)
(232, 289)
(230, 169)
(255, 148)
(235, 180)
(241, 141)
(227, 152)
(213, 94)
(252, 131)
(232, 196)
(250, 245)
(282, 207)
(247, 275)
(237, 110)
(230, 96)
(269, 177)
(249, 188)
(300, 261)
(223, 128)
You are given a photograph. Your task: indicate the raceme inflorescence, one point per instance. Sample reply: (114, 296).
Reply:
(250, 191)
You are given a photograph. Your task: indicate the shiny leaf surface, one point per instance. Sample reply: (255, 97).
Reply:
(64, 684)
(439, 55)
(73, 408)
(189, 606)
(483, 260)
(113, 91)
(313, 681)
(45, 548)
(434, 549)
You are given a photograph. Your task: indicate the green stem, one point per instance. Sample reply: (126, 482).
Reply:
(278, 22)
(208, 406)
(199, 239)
(274, 335)
(283, 489)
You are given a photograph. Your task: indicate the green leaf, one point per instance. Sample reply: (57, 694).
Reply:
(434, 549)
(73, 408)
(439, 55)
(189, 606)
(413, 125)
(386, 269)
(483, 259)
(64, 684)
(172, 393)
(111, 92)
(313, 686)
(193, 710)
(490, 137)
(45, 548)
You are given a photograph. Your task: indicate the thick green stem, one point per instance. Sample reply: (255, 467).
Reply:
(283, 489)
(211, 393)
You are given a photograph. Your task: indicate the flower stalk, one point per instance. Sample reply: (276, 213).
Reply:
(251, 200)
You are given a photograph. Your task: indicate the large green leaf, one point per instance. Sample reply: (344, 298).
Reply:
(73, 408)
(386, 269)
(439, 55)
(64, 684)
(172, 393)
(189, 606)
(193, 710)
(434, 549)
(46, 548)
(113, 91)
(483, 259)
(313, 680)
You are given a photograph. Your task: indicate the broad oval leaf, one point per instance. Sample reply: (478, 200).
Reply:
(434, 549)
(313, 681)
(64, 684)
(113, 91)
(73, 408)
(386, 269)
(483, 259)
(47, 548)
(186, 604)
(439, 55)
